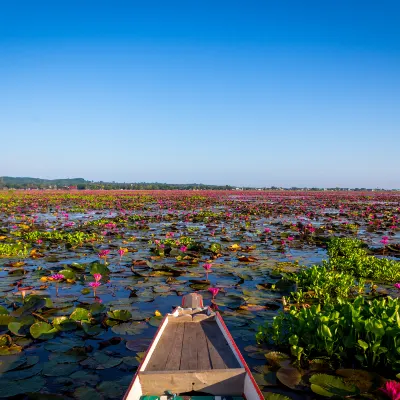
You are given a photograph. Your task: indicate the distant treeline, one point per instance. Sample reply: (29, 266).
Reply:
(82, 184)
(7, 182)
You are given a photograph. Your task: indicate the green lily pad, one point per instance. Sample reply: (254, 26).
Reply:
(64, 324)
(119, 315)
(52, 368)
(11, 362)
(42, 330)
(129, 328)
(22, 374)
(111, 389)
(91, 330)
(101, 361)
(80, 314)
(332, 386)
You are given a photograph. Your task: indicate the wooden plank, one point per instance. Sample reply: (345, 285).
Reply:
(215, 382)
(175, 346)
(220, 352)
(189, 347)
(203, 356)
(159, 358)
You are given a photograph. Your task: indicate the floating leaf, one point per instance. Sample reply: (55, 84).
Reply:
(138, 344)
(91, 330)
(11, 362)
(111, 390)
(10, 388)
(289, 376)
(64, 324)
(5, 319)
(52, 368)
(330, 386)
(42, 330)
(22, 374)
(119, 315)
(275, 396)
(87, 393)
(278, 359)
(129, 328)
(80, 314)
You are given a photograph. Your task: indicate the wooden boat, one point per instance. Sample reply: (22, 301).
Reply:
(193, 354)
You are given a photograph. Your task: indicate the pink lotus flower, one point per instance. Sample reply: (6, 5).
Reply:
(57, 277)
(97, 277)
(290, 238)
(183, 249)
(94, 286)
(267, 230)
(397, 285)
(214, 291)
(39, 241)
(392, 390)
(207, 267)
(385, 240)
(104, 253)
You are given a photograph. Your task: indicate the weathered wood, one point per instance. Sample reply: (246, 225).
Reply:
(158, 360)
(174, 356)
(214, 382)
(189, 347)
(181, 318)
(201, 317)
(192, 300)
(203, 356)
(221, 354)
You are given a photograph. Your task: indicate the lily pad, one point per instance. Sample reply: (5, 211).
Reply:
(42, 330)
(64, 324)
(80, 314)
(119, 315)
(331, 386)
(9, 388)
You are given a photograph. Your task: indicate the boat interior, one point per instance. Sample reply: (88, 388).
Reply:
(191, 353)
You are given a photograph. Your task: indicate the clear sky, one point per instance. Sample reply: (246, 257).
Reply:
(284, 93)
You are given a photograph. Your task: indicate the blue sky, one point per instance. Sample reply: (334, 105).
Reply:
(284, 93)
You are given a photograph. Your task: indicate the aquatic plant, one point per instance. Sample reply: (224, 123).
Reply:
(57, 278)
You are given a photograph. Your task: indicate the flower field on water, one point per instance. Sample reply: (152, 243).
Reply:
(308, 284)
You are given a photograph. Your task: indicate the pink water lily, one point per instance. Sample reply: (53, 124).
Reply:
(183, 249)
(207, 267)
(397, 285)
(57, 278)
(290, 238)
(97, 277)
(214, 291)
(391, 389)
(103, 254)
(385, 240)
(94, 286)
